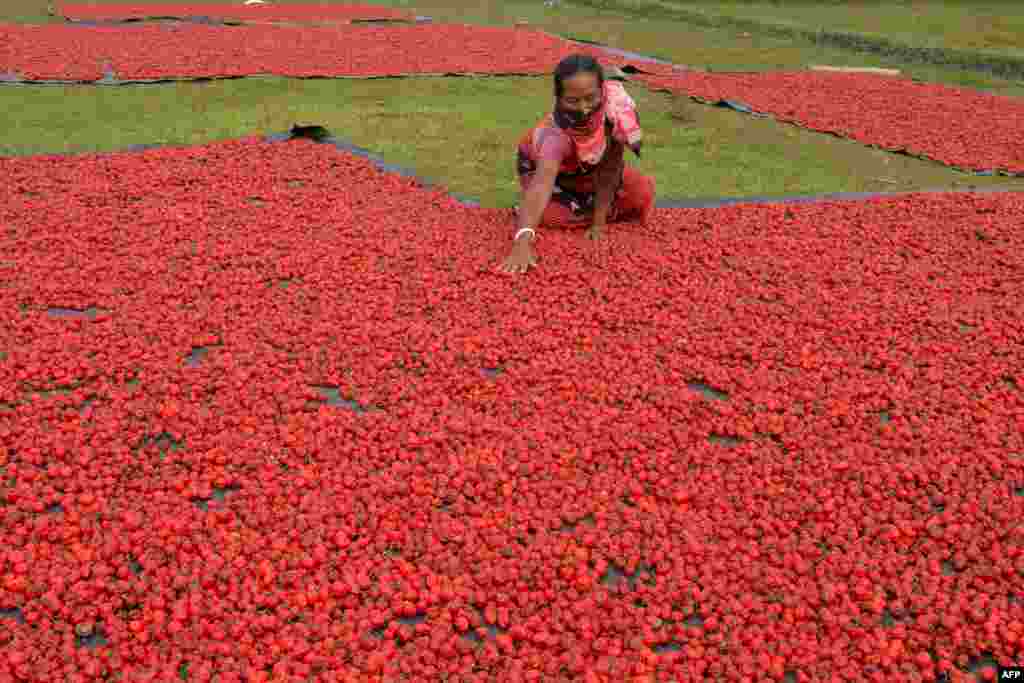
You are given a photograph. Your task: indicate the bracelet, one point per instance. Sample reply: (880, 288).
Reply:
(522, 230)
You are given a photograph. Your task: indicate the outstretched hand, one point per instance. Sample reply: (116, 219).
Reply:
(522, 258)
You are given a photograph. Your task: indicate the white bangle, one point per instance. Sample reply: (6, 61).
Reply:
(522, 230)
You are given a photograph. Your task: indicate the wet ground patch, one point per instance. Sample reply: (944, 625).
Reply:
(30, 393)
(332, 397)
(282, 283)
(724, 440)
(164, 442)
(13, 613)
(615, 576)
(199, 353)
(891, 617)
(90, 636)
(414, 620)
(399, 628)
(85, 409)
(707, 391)
(219, 496)
(978, 664)
(571, 525)
(90, 313)
(481, 630)
(693, 621)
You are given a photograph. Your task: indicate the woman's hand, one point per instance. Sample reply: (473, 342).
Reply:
(522, 258)
(530, 211)
(596, 231)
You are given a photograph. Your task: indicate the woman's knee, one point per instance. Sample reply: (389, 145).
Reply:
(642, 186)
(637, 197)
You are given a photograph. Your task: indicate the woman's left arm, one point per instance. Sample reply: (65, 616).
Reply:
(608, 175)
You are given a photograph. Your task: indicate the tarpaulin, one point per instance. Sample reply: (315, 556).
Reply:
(214, 21)
(225, 11)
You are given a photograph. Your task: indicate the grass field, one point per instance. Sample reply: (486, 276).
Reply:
(461, 132)
(992, 27)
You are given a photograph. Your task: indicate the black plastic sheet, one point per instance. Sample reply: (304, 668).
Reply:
(205, 21)
(214, 21)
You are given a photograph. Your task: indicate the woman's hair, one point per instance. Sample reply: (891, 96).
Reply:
(576, 64)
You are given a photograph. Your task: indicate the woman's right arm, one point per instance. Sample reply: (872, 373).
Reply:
(535, 201)
(536, 198)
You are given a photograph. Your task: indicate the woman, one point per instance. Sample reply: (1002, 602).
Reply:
(571, 167)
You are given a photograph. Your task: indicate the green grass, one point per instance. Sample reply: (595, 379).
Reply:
(462, 132)
(992, 27)
(653, 27)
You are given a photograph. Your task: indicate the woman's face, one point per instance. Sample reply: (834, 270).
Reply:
(581, 95)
